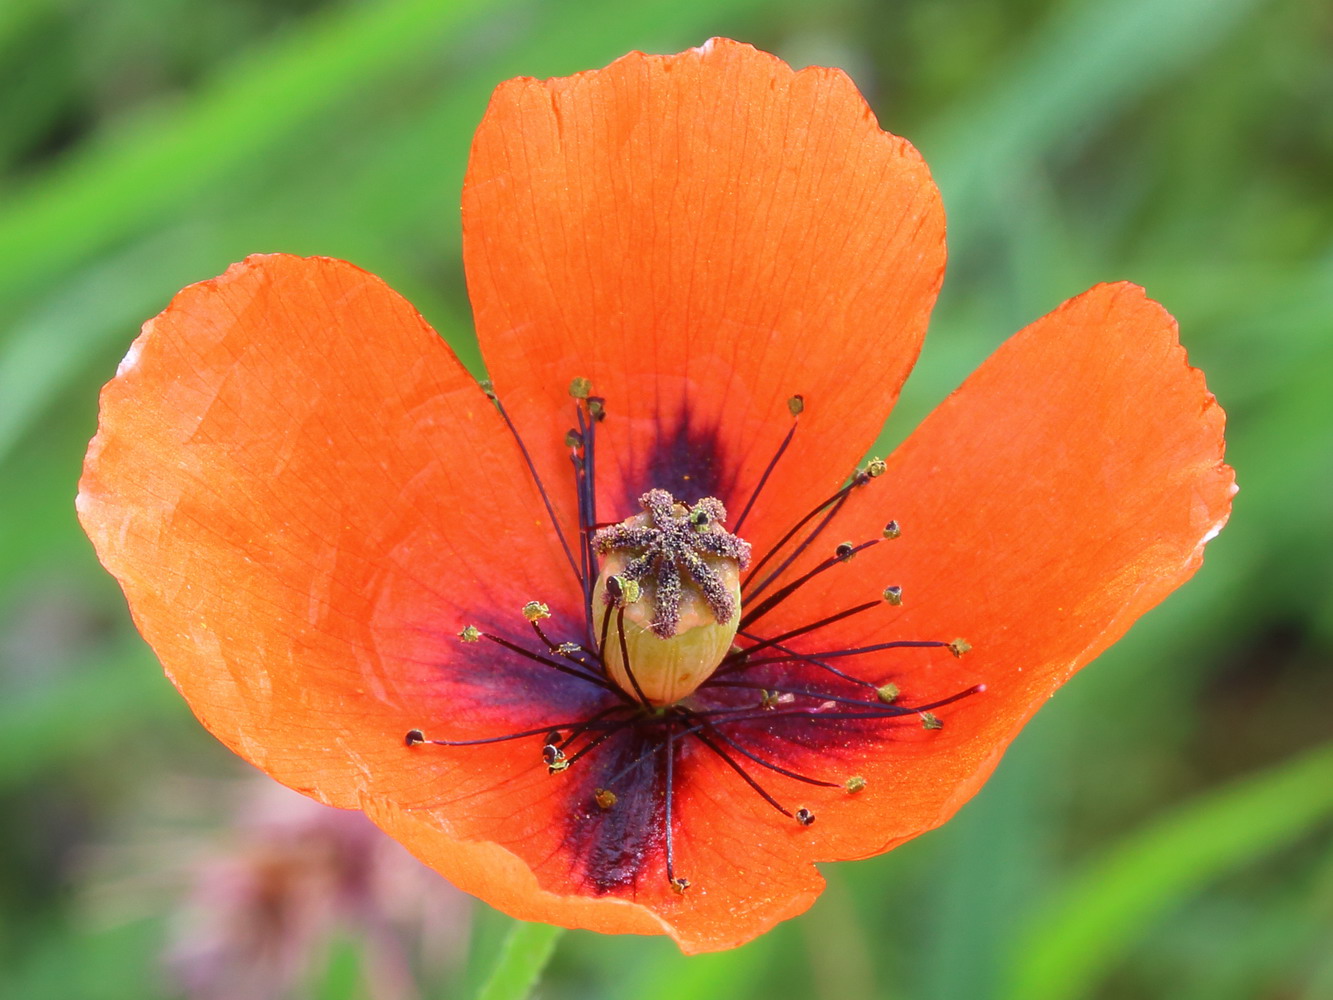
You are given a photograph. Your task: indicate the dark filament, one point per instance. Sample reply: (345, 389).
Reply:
(721, 716)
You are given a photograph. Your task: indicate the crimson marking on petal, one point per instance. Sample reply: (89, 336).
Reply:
(613, 847)
(687, 462)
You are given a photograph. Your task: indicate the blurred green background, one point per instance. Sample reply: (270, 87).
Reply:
(1162, 829)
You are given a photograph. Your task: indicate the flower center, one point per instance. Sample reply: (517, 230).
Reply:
(679, 672)
(667, 602)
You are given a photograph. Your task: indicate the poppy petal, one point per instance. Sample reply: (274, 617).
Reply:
(748, 871)
(703, 236)
(304, 497)
(1065, 489)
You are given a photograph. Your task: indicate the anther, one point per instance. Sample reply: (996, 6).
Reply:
(892, 530)
(488, 387)
(796, 405)
(804, 816)
(555, 758)
(894, 595)
(604, 797)
(573, 440)
(597, 407)
(876, 467)
(580, 387)
(855, 784)
(679, 885)
(929, 720)
(413, 737)
(888, 693)
(535, 611)
(470, 633)
(621, 592)
(569, 649)
(959, 646)
(844, 551)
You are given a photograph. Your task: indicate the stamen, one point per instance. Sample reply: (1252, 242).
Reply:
(726, 757)
(874, 469)
(748, 714)
(535, 611)
(767, 763)
(677, 884)
(829, 654)
(416, 736)
(794, 655)
(843, 553)
(624, 648)
(598, 740)
(742, 654)
(820, 696)
(582, 675)
(489, 388)
(555, 758)
(795, 406)
(837, 500)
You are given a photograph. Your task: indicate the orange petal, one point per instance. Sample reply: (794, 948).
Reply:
(743, 884)
(1064, 490)
(304, 497)
(703, 236)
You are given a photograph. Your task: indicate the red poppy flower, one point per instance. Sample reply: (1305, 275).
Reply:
(706, 275)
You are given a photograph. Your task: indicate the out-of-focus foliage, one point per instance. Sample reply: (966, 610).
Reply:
(1163, 828)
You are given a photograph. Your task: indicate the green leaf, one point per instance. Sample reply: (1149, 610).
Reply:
(1081, 932)
(523, 956)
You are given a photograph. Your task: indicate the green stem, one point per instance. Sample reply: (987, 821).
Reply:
(523, 956)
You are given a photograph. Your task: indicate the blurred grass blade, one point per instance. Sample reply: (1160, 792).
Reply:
(523, 956)
(117, 187)
(96, 307)
(1074, 939)
(119, 691)
(1087, 62)
(16, 16)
